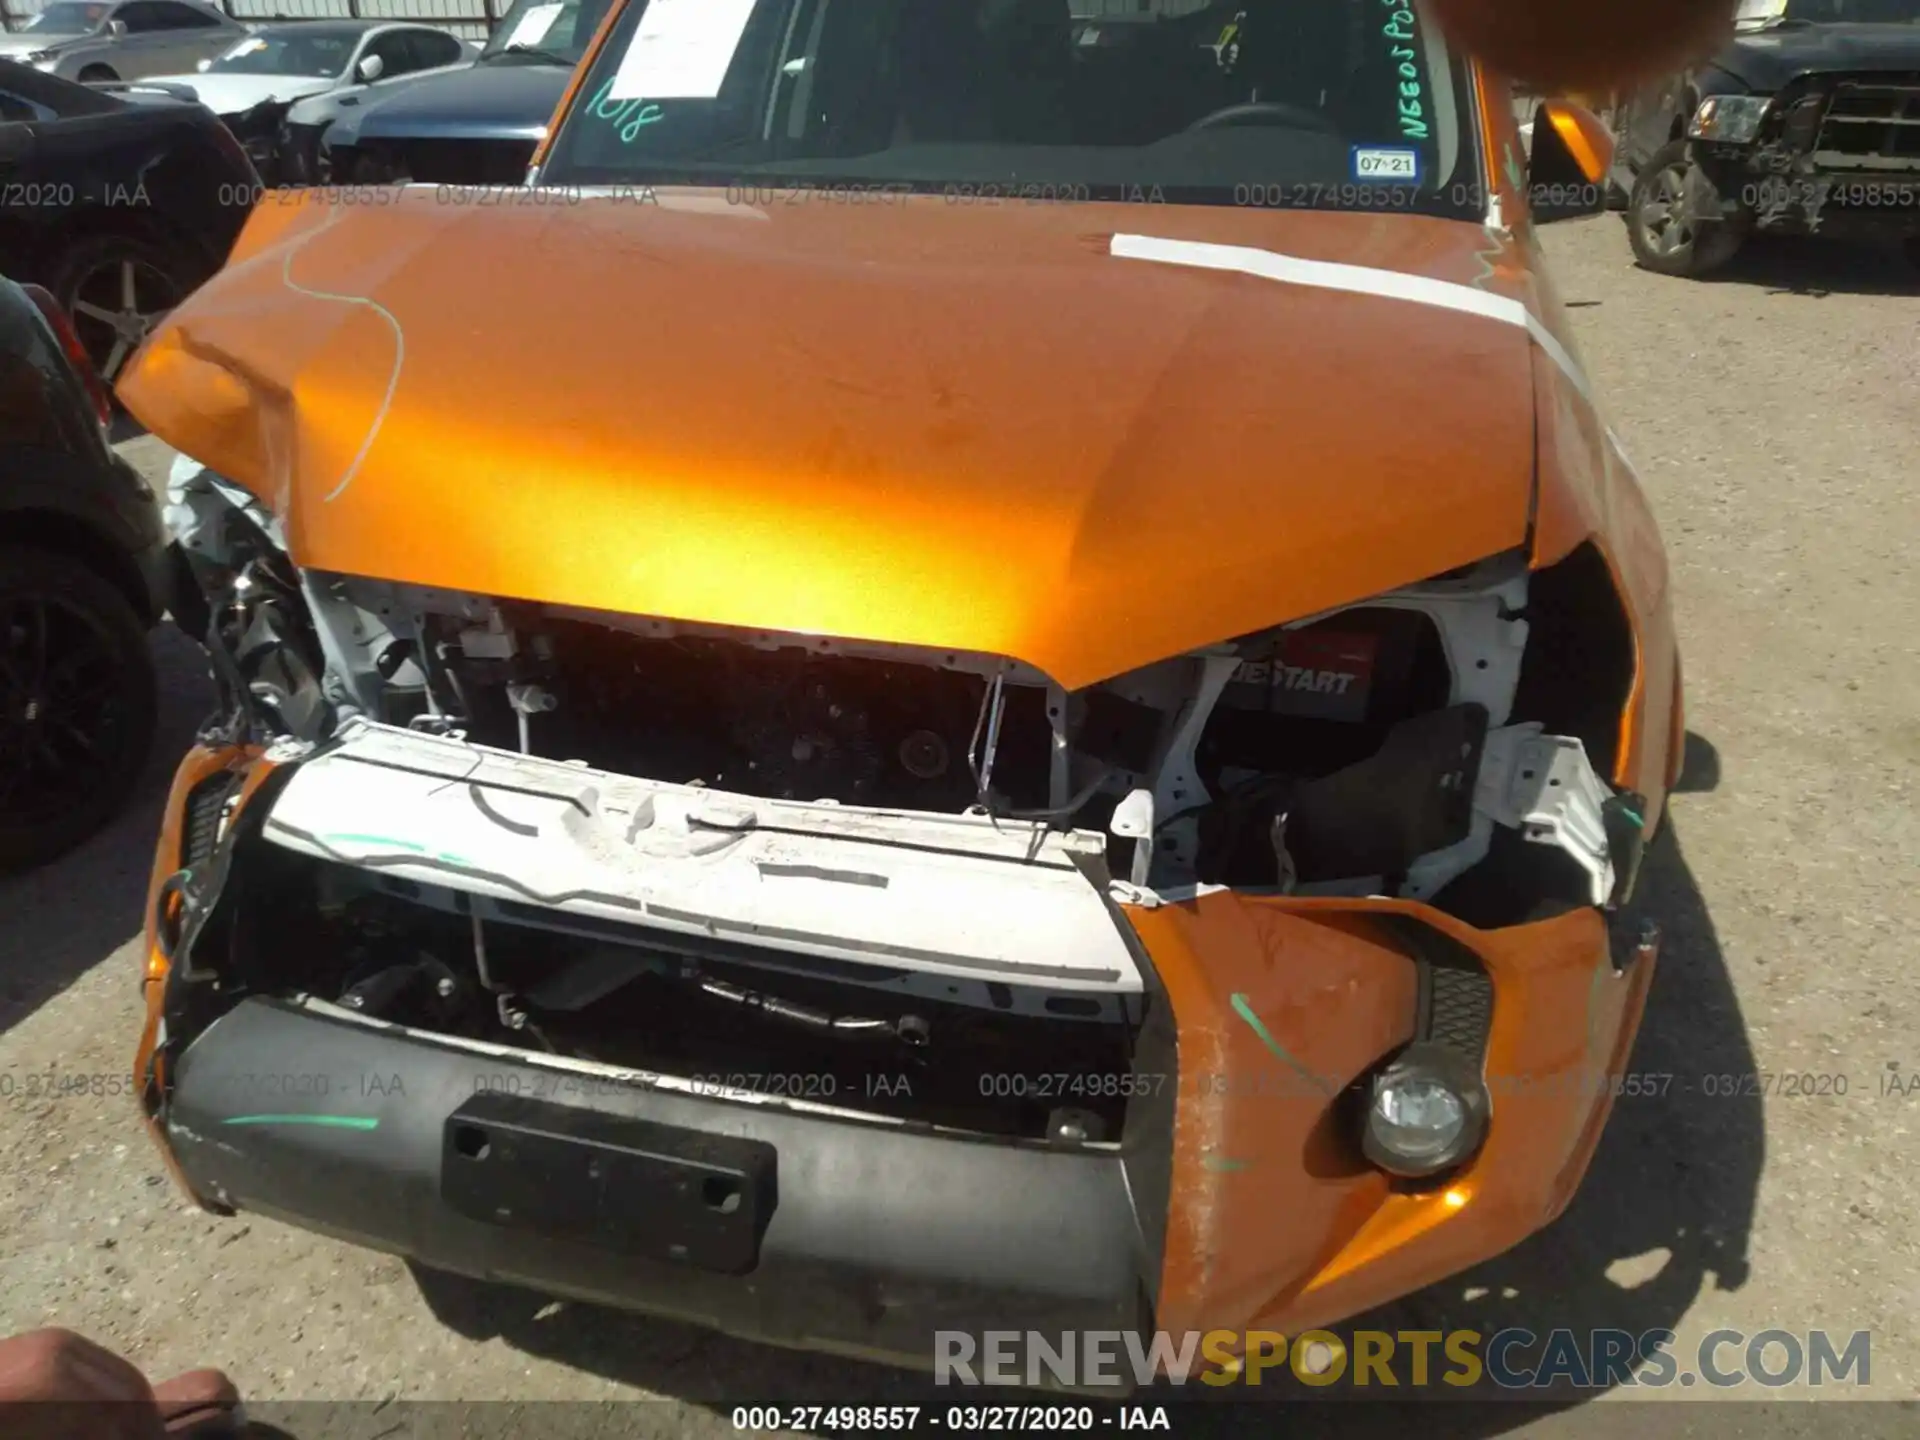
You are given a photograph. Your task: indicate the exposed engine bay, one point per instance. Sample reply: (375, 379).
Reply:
(689, 852)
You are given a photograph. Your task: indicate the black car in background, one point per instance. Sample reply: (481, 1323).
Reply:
(1807, 122)
(85, 572)
(476, 126)
(119, 209)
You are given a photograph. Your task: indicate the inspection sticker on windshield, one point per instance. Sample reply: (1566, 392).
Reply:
(1386, 165)
(682, 50)
(534, 25)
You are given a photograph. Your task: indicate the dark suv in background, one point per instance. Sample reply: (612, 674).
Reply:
(477, 126)
(1807, 122)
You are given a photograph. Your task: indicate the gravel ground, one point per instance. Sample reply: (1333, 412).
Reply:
(1772, 415)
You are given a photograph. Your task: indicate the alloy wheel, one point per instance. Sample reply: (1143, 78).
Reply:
(116, 305)
(1662, 215)
(62, 720)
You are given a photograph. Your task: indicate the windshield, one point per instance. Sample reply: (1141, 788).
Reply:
(1328, 104)
(554, 30)
(297, 54)
(65, 17)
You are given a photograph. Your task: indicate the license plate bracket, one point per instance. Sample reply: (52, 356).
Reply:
(618, 1182)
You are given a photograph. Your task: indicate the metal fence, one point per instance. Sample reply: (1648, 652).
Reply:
(473, 19)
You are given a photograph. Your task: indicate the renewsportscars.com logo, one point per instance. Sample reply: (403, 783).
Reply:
(1513, 1359)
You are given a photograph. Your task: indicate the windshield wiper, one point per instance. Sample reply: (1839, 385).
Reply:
(534, 52)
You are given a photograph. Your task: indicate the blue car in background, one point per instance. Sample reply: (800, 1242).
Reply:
(477, 125)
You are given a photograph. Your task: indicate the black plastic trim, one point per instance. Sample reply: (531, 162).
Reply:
(880, 1236)
(1455, 995)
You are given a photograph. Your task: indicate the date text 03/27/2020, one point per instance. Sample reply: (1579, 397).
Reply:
(957, 1419)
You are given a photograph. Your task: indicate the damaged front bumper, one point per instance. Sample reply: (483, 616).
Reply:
(781, 1213)
(1780, 190)
(836, 993)
(1832, 156)
(853, 1238)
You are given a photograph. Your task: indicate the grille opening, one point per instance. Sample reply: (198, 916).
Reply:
(200, 833)
(851, 1037)
(1870, 123)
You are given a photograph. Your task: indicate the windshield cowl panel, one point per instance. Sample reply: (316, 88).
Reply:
(1262, 104)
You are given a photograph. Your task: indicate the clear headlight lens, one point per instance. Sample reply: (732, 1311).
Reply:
(1418, 1117)
(1427, 1112)
(1733, 119)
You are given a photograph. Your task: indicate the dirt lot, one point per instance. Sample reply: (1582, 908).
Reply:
(1775, 416)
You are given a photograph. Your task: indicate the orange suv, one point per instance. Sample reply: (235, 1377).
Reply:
(968, 652)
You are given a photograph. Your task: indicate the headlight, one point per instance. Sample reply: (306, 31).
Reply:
(1426, 1112)
(40, 57)
(1734, 119)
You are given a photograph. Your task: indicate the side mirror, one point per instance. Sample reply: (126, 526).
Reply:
(116, 28)
(370, 68)
(1572, 158)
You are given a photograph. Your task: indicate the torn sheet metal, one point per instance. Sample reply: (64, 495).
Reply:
(1541, 785)
(1545, 787)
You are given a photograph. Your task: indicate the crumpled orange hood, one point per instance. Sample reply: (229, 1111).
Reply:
(952, 425)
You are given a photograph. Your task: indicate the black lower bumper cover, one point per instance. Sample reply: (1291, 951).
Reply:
(1798, 199)
(792, 1228)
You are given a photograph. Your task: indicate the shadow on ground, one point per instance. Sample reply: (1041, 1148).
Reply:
(1798, 265)
(65, 918)
(1666, 1206)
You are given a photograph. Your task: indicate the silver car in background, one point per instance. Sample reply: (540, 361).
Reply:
(305, 74)
(96, 41)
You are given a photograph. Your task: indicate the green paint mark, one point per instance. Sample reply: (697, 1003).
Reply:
(329, 1122)
(376, 840)
(1220, 1163)
(387, 842)
(1244, 1009)
(626, 116)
